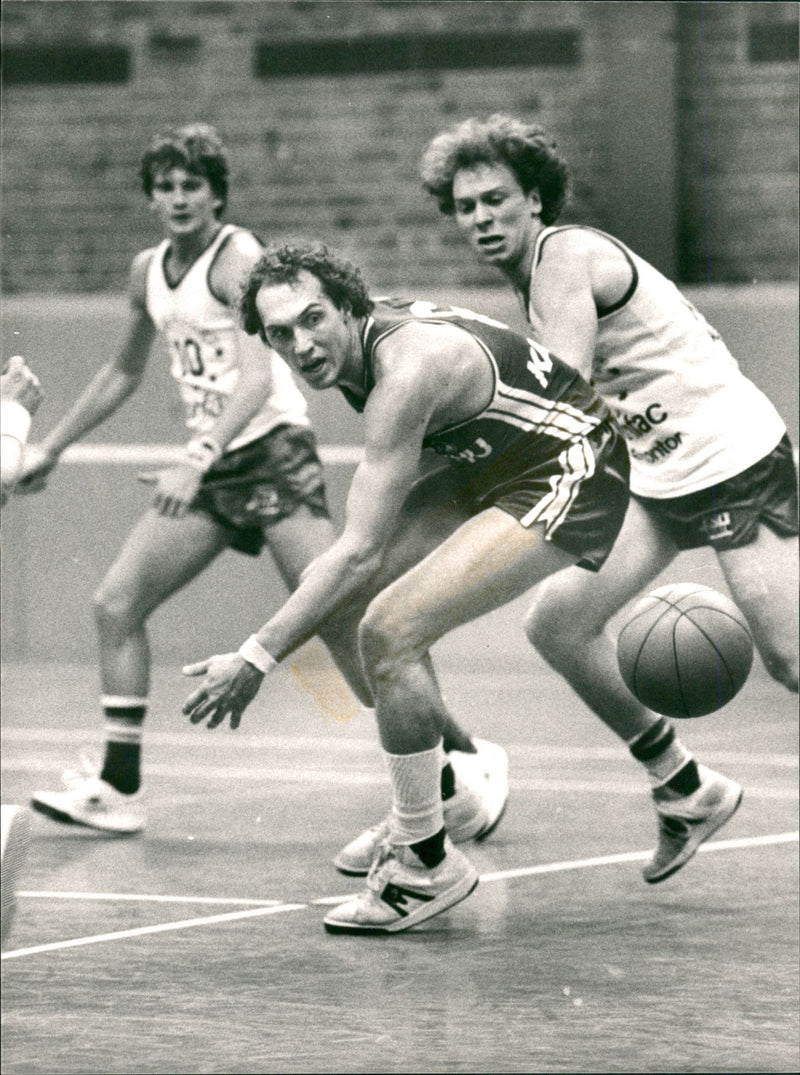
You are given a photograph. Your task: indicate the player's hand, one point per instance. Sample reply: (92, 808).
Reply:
(36, 467)
(176, 488)
(20, 384)
(229, 686)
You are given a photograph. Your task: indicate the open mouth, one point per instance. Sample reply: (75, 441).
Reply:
(490, 242)
(310, 368)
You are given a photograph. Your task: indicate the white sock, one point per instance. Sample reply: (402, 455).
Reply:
(416, 795)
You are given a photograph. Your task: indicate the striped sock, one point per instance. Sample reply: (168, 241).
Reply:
(124, 720)
(416, 795)
(669, 764)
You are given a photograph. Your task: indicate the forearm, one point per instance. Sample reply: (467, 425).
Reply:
(334, 578)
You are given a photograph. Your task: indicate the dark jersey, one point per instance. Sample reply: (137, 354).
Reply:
(538, 403)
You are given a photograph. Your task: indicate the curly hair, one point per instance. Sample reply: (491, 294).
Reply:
(522, 147)
(196, 147)
(281, 262)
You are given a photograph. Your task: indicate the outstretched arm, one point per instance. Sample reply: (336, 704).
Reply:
(111, 386)
(396, 418)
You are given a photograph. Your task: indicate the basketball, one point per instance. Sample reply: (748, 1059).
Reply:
(685, 651)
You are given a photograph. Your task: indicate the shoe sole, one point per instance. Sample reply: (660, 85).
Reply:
(456, 894)
(692, 848)
(67, 819)
(490, 828)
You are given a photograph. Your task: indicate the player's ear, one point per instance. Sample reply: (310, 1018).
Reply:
(535, 201)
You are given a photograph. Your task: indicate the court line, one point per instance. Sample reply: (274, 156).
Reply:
(501, 875)
(124, 897)
(164, 927)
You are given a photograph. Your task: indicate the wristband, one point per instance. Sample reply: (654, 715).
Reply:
(202, 453)
(15, 420)
(255, 654)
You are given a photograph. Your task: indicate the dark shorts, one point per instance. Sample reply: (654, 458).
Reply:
(254, 487)
(728, 515)
(580, 493)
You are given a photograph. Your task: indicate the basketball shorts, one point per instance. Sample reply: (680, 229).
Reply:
(728, 515)
(580, 492)
(254, 487)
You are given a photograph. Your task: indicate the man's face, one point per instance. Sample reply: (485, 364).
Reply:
(494, 213)
(315, 337)
(184, 201)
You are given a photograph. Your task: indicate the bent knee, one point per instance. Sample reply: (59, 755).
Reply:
(113, 607)
(386, 637)
(782, 666)
(554, 630)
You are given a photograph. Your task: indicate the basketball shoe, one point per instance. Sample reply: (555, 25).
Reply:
(88, 800)
(471, 814)
(401, 892)
(685, 823)
(16, 827)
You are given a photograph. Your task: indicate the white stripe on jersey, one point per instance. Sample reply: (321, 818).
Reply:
(528, 411)
(577, 465)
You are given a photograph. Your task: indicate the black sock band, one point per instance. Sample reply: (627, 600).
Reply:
(686, 780)
(448, 782)
(430, 851)
(654, 741)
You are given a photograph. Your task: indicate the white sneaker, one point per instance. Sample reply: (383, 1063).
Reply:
(401, 892)
(685, 823)
(465, 818)
(92, 802)
(16, 827)
(485, 773)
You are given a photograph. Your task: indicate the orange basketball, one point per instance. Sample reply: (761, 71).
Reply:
(685, 651)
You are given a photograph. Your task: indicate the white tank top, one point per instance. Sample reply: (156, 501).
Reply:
(690, 416)
(204, 341)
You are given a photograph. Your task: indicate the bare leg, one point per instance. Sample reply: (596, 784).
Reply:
(763, 579)
(160, 556)
(487, 562)
(571, 612)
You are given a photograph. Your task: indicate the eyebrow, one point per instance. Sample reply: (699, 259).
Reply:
(300, 316)
(499, 189)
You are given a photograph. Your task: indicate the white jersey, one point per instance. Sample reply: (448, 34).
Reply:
(204, 341)
(690, 416)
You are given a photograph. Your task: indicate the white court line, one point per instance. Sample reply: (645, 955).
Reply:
(501, 875)
(165, 927)
(637, 856)
(124, 897)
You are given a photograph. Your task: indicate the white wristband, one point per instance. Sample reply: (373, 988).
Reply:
(255, 654)
(15, 420)
(202, 453)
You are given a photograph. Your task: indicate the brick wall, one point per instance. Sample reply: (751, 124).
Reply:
(738, 137)
(336, 155)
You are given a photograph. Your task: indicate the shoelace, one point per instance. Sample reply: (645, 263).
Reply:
(376, 878)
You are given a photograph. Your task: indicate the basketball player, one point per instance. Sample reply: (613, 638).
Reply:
(250, 474)
(20, 396)
(536, 480)
(711, 463)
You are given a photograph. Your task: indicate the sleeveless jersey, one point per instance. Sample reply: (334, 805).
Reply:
(690, 416)
(204, 340)
(539, 405)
